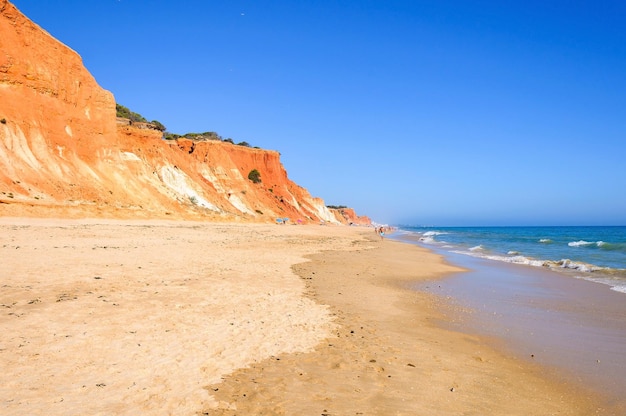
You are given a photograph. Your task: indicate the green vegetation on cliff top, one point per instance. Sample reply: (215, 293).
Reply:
(124, 112)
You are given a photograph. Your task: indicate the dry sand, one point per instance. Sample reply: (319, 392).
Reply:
(182, 318)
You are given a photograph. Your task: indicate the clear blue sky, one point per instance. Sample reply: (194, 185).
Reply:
(412, 112)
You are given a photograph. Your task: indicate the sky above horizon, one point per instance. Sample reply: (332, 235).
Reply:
(410, 112)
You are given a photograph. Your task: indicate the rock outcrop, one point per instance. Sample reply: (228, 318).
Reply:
(349, 216)
(63, 153)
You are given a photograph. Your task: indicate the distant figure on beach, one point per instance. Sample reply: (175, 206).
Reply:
(381, 232)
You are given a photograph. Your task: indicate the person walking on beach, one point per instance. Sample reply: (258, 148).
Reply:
(381, 232)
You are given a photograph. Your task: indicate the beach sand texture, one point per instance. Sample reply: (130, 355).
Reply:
(107, 317)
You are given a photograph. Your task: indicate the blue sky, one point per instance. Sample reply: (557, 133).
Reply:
(411, 112)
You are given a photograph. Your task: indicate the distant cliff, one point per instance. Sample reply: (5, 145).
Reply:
(63, 153)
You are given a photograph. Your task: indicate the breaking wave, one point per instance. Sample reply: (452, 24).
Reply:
(603, 245)
(515, 258)
(592, 253)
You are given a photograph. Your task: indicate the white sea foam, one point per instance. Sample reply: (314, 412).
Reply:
(433, 233)
(545, 241)
(429, 237)
(518, 259)
(618, 285)
(581, 243)
(576, 265)
(621, 289)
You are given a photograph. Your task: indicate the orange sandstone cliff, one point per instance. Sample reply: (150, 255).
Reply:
(62, 153)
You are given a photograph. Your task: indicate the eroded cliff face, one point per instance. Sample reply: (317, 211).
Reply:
(62, 153)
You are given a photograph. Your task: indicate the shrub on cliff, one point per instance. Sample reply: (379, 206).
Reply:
(254, 176)
(207, 135)
(124, 112)
(171, 136)
(158, 125)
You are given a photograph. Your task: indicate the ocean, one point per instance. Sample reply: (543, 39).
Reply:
(593, 253)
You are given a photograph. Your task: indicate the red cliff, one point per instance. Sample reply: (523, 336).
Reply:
(63, 154)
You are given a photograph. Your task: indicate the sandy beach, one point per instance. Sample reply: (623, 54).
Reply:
(109, 317)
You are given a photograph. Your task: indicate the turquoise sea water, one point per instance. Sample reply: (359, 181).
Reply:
(593, 253)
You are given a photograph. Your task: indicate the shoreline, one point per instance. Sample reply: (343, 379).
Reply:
(154, 317)
(575, 328)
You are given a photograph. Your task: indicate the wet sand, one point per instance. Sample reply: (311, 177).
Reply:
(183, 318)
(576, 328)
